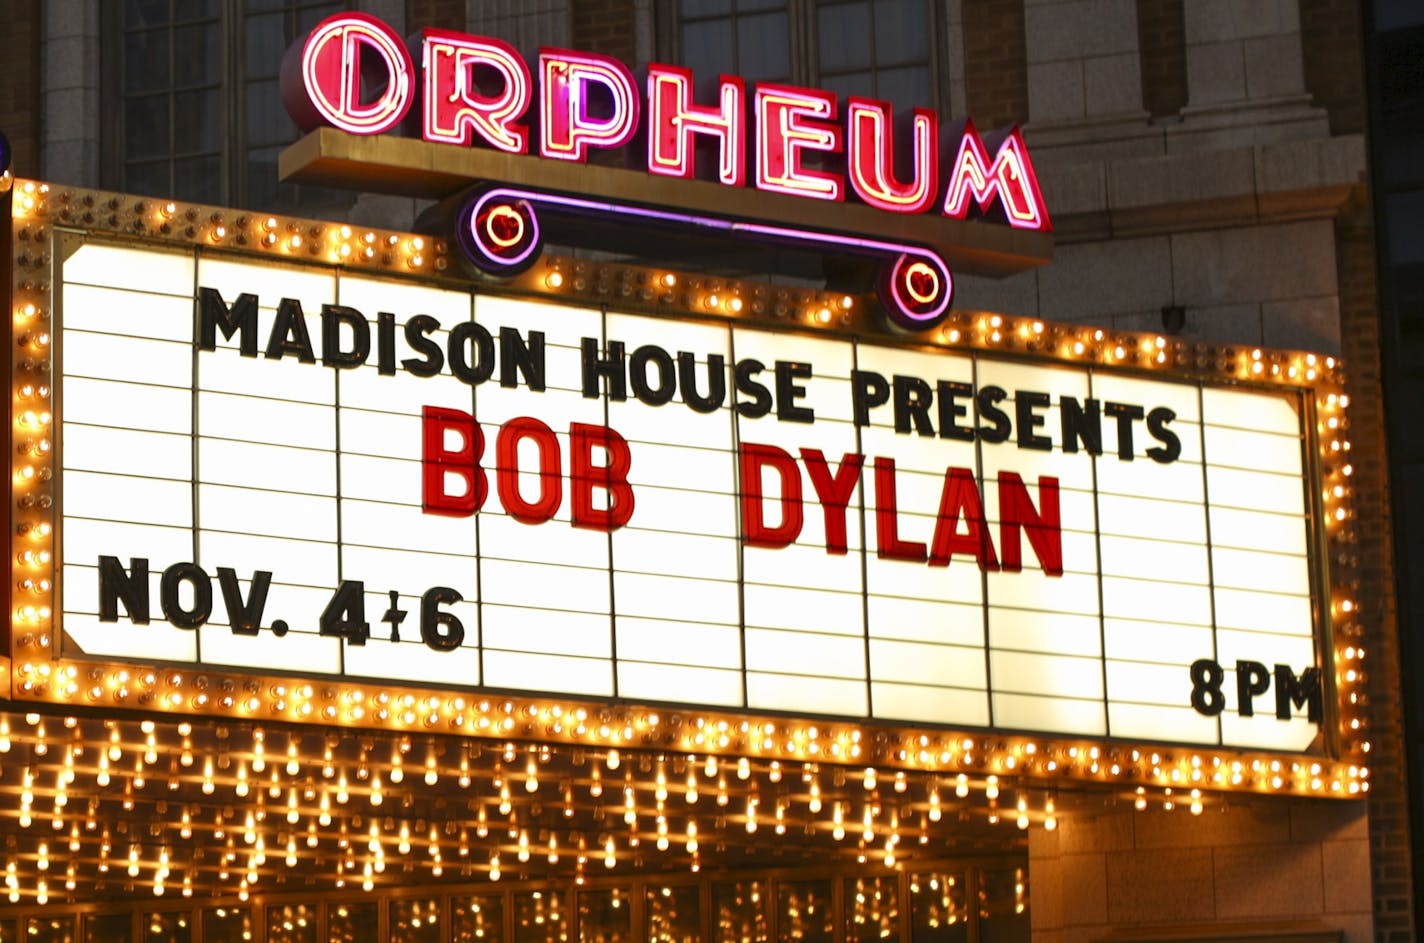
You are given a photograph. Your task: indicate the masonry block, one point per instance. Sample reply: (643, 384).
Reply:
(1274, 68)
(1078, 29)
(1085, 890)
(1268, 881)
(1016, 295)
(1288, 260)
(1160, 885)
(1112, 85)
(1095, 280)
(1347, 876)
(1216, 73)
(1302, 324)
(1055, 91)
(1225, 324)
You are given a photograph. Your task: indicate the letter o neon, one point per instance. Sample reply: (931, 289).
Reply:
(321, 78)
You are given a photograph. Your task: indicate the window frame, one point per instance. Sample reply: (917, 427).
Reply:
(802, 17)
(232, 87)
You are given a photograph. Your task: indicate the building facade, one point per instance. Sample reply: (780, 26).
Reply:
(1207, 170)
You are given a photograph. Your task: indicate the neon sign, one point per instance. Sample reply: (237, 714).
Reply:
(804, 142)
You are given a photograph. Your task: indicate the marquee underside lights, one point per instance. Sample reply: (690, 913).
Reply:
(168, 811)
(890, 438)
(779, 139)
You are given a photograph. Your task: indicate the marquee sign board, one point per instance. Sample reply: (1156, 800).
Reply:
(662, 510)
(326, 476)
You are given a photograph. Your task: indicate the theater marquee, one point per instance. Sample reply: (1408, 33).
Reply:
(311, 478)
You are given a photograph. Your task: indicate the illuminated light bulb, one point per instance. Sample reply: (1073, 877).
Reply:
(295, 242)
(824, 316)
(734, 304)
(744, 769)
(991, 788)
(554, 279)
(612, 759)
(669, 280)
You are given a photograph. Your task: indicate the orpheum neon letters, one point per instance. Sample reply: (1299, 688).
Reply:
(567, 124)
(338, 54)
(455, 111)
(872, 167)
(673, 120)
(791, 120)
(353, 72)
(1010, 177)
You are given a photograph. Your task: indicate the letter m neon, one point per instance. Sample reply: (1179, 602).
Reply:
(1009, 177)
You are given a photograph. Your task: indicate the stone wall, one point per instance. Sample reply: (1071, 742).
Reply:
(1302, 861)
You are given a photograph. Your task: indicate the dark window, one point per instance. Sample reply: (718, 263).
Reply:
(193, 109)
(877, 48)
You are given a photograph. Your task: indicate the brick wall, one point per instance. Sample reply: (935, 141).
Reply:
(446, 14)
(20, 85)
(1334, 71)
(606, 26)
(1389, 799)
(1162, 42)
(995, 62)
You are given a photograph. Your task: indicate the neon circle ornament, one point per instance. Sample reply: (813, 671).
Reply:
(323, 77)
(916, 289)
(498, 232)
